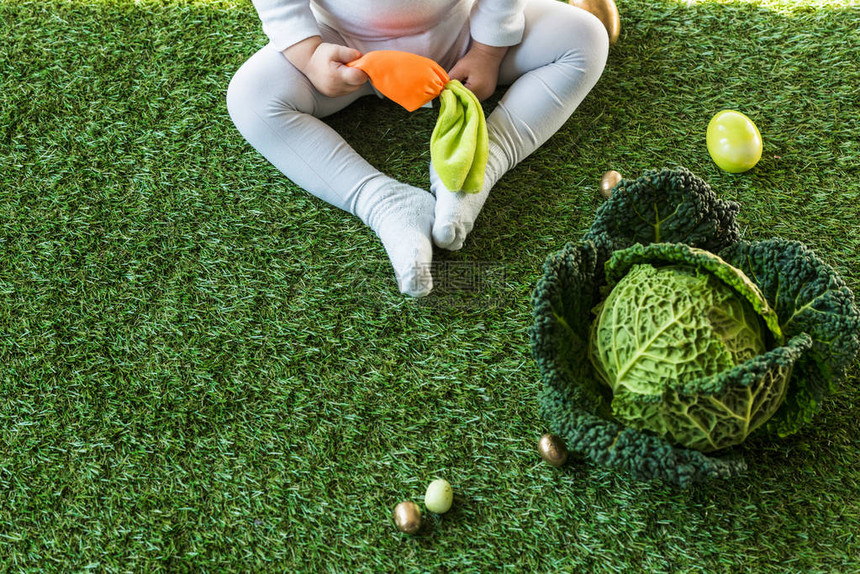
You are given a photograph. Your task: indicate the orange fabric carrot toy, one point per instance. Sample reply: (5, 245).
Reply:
(408, 79)
(459, 143)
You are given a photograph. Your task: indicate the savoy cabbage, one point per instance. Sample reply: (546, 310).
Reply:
(662, 338)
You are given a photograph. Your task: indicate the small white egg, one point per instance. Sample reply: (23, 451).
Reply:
(439, 496)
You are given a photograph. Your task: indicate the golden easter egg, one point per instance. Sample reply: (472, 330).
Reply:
(552, 449)
(407, 517)
(608, 181)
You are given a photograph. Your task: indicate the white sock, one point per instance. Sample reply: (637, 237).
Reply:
(402, 217)
(456, 211)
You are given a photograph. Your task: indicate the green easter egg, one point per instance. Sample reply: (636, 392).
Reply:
(734, 141)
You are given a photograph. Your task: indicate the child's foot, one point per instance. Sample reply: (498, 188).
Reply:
(455, 213)
(403, 220)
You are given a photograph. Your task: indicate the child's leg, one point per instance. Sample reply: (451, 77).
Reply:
(276, 109)
(559, 60)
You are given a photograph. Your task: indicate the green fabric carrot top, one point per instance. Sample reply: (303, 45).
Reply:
(459, 142)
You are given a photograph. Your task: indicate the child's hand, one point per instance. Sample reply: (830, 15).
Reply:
(478, 70)
(325, 66)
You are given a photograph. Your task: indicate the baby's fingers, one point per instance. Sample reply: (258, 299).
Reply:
(343, 54)
(352, 76)
(459, 72)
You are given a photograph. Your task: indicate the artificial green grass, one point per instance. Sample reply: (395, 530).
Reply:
(202, 368)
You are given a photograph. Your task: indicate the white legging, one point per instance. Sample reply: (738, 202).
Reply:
(276, 108)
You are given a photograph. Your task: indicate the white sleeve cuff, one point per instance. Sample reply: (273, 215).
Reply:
(286, 22)
(498, 22)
